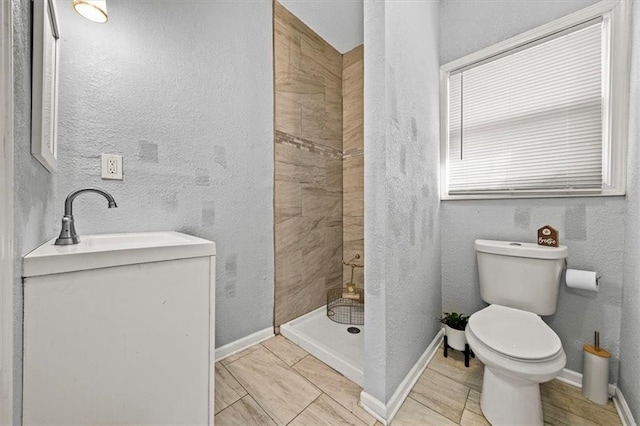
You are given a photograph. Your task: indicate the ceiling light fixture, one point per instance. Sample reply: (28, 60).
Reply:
(93, 10)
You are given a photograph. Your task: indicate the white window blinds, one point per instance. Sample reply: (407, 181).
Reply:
(530, 120)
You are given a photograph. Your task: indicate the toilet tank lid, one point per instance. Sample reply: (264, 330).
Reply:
(517, 249)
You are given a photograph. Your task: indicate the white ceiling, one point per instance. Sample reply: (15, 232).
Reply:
(339, 22)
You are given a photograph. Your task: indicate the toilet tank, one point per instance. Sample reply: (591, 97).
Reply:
(520, 275)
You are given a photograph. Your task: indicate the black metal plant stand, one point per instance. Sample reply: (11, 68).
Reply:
(468, 353)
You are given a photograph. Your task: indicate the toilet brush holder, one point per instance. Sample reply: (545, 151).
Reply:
(595, 376)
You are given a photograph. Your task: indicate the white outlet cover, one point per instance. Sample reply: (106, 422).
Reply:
(108, 169)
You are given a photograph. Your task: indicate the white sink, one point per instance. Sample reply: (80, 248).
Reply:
(107, 250)
(128, 241)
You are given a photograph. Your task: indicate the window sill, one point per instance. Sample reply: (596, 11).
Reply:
(506, 196)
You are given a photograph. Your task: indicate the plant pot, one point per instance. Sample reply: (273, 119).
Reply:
(455, 338)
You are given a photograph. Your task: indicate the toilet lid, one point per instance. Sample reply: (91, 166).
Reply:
(515, 333)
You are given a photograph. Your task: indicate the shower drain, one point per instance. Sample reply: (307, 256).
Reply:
(353, 330)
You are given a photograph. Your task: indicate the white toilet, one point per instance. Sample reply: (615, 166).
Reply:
(519, 351)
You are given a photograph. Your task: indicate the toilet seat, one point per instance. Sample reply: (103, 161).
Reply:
(515, 334)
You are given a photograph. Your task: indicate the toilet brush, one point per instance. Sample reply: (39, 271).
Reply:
(595, 376)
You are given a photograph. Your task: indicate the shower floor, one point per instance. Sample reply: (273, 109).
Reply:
(328, 341)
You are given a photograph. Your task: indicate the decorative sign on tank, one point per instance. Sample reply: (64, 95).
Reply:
(548, 236)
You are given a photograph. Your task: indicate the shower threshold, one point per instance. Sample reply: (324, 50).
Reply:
(329, 341)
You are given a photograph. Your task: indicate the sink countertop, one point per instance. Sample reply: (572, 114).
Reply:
(107, 250)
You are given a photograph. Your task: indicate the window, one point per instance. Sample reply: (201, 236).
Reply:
(543, 114)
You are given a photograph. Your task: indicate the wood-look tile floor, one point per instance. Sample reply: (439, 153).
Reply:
(278, 383)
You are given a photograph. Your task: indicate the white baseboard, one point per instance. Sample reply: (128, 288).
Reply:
(571, 377)
(373, 406)
(575, 379)
(623, 409)
(386, 412)
(239, 345)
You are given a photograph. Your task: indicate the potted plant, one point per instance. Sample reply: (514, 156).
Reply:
(454, 325)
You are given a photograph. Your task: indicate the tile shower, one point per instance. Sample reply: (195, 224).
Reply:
(318, 179)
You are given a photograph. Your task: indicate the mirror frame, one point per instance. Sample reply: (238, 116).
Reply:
(45, 151)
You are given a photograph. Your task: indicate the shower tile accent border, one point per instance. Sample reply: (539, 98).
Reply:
(311, 146)
(307, 145)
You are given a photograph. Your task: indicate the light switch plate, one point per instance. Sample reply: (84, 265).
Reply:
(111, 166)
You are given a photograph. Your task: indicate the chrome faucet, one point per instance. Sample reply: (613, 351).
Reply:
(68, 234)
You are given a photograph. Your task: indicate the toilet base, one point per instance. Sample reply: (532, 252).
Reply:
(506, 400)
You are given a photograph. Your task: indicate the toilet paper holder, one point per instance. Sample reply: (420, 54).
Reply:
(566, 268)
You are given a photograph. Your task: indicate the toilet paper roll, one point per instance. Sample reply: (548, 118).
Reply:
(583, 280)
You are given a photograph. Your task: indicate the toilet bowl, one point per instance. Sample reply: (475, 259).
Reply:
(519, 351)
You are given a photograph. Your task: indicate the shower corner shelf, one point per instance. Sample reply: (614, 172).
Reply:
(346, 307)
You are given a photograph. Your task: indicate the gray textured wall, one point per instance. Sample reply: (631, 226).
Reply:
(375, 167)
(34, 185)
(629, 381)
(184, 91)
(592, 228)
(467, 26)
(402, 235)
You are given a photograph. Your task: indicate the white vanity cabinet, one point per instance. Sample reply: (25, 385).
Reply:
(119, 329)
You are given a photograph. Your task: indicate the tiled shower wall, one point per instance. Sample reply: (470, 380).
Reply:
(308, 167)
(353, 164)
